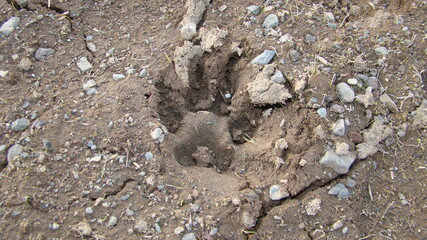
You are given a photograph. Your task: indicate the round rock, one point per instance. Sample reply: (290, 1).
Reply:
(271, 21)
(20, 124)
(345, 92)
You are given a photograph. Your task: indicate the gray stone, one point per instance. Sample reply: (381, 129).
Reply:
(43, 53)
(141, 226)
(92, 91)
(84, 228)
(340, 191)
(350, 183)
(373, 82)
(84, 64)
(367, 99)
(264, 91)
(91, 47)
(372, 137)
(47, 145)
(158, 135)
(20, 124)
(149, 155)
(278, 192)
(337, 108)
(9, 26)
(311, 39)
(14, 151)
(322, 112)
(388, 103)
(264, 58)
(278, 77)
(189, 236)
(89, 84)
(118, 76)
(294, 55)
(25, 64)
(329, 16)
(381, 51)
(340, 164)
(89, 210)
(189, 30)
(271, 21)
(143, 73)
(249, 220)
(345, 92)
(359, 65)
(420, 116)
(3, 149)
(313, 207)
(112, 221)
(22, 3)
(339, 128)
(254, 9)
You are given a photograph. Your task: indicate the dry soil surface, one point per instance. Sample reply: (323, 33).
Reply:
(151, 119)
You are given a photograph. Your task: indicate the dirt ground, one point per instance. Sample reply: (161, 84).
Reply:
(173, 134)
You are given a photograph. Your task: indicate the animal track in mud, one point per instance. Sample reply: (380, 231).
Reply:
(198, 115)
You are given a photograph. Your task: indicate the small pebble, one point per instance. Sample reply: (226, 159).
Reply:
(254, 9)
(381, 51)
(143, 73)
(112, 222)
(179, 230)
(271, 21)
(118, 77)
(264, 58)
(89, 210)
(278, 193)
(149, 155)
(322, 112)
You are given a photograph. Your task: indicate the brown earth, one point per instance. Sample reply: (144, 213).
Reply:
(219, 158)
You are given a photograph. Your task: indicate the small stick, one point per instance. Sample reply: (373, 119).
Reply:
(385, 212)
(370, 192)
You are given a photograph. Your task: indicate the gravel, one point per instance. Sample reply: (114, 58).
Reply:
(345, 92)
(340, 164)
(9, 26)
(271, 21)
(112, 221)
(189, 236)
(329, 17)
(264, 58)
(388, 103)
(339, 128)
(381, 51)
(340, 191)
(89, 210)
(43, 53)
(278, 192)
(158, 135)
(141, 226)
(310, 39)
(322, 112)
(20, 124)
(143, 73)
(3, 149)
(254, 9)
(84, 65)
(294, 55)
(313, 207)
(278, 77)
(118, 76)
